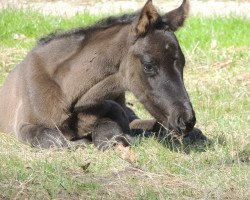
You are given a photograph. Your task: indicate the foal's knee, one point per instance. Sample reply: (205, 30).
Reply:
(108, 133)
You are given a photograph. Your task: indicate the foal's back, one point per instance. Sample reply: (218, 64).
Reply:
(9, 95)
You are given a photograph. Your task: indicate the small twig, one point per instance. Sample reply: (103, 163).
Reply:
(138, 169)
(195, 47)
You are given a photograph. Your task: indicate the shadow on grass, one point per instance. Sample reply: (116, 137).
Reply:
(195, 141)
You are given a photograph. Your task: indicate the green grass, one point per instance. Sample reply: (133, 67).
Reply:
(33, 25)
(217, 76)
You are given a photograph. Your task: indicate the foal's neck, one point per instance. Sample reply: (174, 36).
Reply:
(112, 44)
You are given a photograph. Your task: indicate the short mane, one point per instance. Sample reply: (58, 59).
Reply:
(100, 25)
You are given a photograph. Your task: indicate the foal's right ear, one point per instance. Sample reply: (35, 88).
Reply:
(148, 18)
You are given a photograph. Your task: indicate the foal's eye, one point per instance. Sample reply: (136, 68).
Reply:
(148, 68)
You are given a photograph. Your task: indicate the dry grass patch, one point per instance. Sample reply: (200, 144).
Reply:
(8, 59)
(80, 173)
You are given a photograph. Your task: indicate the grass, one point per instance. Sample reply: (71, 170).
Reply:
(217, 77)
(31, 25)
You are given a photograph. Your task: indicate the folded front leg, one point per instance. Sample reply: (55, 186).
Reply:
(107, 133)
(107, 125)
(88, 118)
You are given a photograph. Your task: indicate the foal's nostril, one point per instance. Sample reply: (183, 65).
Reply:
(183, 117)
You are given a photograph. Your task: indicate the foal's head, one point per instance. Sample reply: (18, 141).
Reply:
(154, 67)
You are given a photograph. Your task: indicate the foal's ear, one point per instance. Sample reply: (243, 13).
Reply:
(176, 18)
(148, 18)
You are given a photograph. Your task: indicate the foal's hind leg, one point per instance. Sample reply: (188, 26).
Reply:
(41, 137)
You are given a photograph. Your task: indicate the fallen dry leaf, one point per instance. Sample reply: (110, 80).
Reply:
(126, 153)
(85, 167)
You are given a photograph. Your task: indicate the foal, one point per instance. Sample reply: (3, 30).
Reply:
(71, 86)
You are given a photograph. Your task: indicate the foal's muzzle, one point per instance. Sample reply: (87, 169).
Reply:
(182, 118)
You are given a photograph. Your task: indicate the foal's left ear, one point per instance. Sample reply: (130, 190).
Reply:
(148, 18)
(176, 18)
